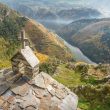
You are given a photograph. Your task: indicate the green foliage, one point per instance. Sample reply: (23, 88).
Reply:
(68, 77)
(89, 80)
(5, 63)
(50, 66)
(10, 27)
(94, 97)
(83, 104)
(7, 50)
(82, 68)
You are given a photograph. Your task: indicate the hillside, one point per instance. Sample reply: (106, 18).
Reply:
(43, 41)
(91, 36)
(68, 30)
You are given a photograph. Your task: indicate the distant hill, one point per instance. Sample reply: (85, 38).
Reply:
(42, 40)
(68, 30)
(91, 36)
(46, 13)
(52, 14)
(78, 13)
(53, 18)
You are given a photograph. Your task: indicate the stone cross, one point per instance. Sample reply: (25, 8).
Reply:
(23, 38)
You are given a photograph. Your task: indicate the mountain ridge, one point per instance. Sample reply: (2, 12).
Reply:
(87, 35)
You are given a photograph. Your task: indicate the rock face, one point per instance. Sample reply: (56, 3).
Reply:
(40, 93)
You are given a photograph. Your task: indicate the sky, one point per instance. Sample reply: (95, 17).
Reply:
(102, 5)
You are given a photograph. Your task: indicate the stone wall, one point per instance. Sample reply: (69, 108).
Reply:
(21, 66)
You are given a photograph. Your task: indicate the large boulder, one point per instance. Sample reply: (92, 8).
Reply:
(40, 93)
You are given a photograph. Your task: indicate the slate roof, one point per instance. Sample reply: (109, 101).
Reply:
(40, 93)
(29, 56)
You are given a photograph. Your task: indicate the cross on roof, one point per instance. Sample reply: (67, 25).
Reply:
(23, 38)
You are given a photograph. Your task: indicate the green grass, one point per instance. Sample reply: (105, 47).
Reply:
(5, 64)
(86, 105)
(72, 79)
(68, 77)
(7, 50)
(83, 105)
(9, 30)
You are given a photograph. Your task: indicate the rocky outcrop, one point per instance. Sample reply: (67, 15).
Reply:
(40, 93)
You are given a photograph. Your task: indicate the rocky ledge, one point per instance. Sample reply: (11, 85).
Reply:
(40, 93)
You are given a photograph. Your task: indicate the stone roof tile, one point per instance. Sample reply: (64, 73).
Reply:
(3, 88)
(30, 56)
(21, 90)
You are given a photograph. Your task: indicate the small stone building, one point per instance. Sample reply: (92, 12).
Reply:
(25, 62)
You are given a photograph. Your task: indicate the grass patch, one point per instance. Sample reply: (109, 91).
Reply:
(68, 77)
(83, 105)
(5, 64)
